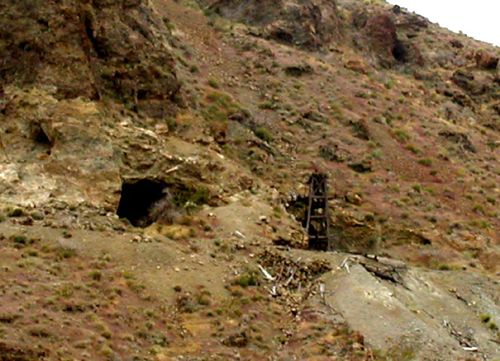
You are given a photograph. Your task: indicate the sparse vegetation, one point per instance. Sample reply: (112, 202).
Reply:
(65, 252)
(209, 257)
(264, 134)
(485, 318)
(425, 162)
(247, 279)
(219, 106)
(20, 239)
(213, 83)
(401, 135)
(16, 212)
(95, 275)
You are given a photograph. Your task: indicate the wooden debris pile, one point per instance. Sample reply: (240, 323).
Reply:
(287, 274)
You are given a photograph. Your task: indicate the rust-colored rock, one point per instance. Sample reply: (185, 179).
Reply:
(357, 65)
(383, 38)
(456, 43)
(381, 32)
(486, 60)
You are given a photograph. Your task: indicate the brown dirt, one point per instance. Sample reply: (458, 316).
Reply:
(232, 122)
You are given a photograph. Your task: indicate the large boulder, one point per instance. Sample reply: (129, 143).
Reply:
(473, 85)
(380, 34)
(306, 23)
(486, 60)
(115, 49)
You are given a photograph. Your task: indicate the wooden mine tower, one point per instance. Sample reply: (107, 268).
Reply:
(317, 218)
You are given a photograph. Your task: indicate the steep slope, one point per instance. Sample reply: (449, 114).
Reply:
(154, 153)
(117, 49)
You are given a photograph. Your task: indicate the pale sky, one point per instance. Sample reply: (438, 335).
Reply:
(479, 19)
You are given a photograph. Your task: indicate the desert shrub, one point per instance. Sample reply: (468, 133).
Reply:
(20, 239)
(247, 279)
(200, 196)
(444, 267)
(263, 133)
(95, 275)
(425, 162)
(219, 106)
(485, 318)
(401, 135)
(376, 154)
(65, 252)
(213, 83)
(413, 149)
(269, 105)
(16, 212)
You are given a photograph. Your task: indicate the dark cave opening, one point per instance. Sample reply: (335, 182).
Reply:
(137, 199)
(41, 138)
(399, 52)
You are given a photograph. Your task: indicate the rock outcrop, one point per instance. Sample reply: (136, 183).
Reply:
(56, 148)
(306, 23)
(486, 60)
(116, 49)
(380, 30)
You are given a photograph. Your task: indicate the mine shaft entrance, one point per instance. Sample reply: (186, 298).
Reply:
(137, 198)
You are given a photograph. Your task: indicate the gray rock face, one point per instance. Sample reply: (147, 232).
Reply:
(428, 315)
(305, 23)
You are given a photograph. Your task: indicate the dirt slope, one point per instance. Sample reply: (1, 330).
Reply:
(154, 154)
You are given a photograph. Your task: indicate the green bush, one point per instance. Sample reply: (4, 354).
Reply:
(425, 161)
(200, 196)
(219, 106)
(16, 212)
(247, 279)
(195, 195)
(401, 135)
(95, 275)
(264, 134)
(213, 83)
(20, 239)
(485, 318)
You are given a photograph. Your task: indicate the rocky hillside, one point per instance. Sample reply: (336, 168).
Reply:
(154, 156)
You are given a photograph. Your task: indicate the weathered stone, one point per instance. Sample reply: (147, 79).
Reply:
(456, 43)
(467, 81)
(363, 166)
(356, 65)
(115, 49)
(381, 31)
(60, 148)
(486, 60)
(309, 24)
(461, 139)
